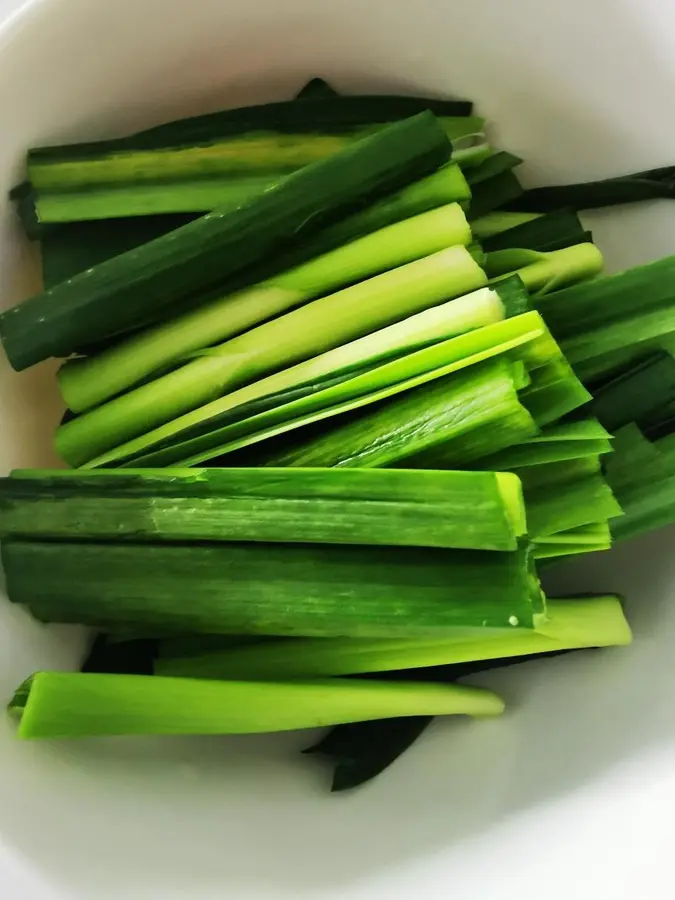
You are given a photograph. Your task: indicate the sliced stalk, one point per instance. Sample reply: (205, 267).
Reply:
(416, 421)
(547, 474)
(531, 454)
(583, 501)
(551, 232)
(549, 553)
(298, 335)
(554, 392)
(85, 383)
(473, 510)
(446, 185)
(572, 624)
(493, 193)
(511, 427)
(494, 165)
(545, 273)
(635, 393)
(603, 323)
(647, 507)
(74, 704)
(76, 246)
(594, 533)
(196, 196)
(140, 284)
(652, 184)
(218, 428)
(494, 223)
(80, 167)
(283, 589)
(69, 249)
(332, 112)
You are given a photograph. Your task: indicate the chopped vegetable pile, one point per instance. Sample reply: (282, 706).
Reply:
(338, 389)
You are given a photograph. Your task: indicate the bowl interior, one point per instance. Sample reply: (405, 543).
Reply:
(579, 90)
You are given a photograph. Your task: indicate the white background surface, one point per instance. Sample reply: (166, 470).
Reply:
(571, 794)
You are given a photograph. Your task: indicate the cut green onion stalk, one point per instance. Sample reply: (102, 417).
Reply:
(476, 432)
(568, 504)
(547, 474)
(653, 184)
(85, 383)
(135, 200)
(446, 185)
(156, 157)
(75, 704)
(474, 510)
(554, 392)
(334, 114)
(642, 474)
(345, 379)
(636, 393)
(494, 165)
(131, 191)
(402, 428)
(544, 273)
(544, 233)
(72, 248)
(566, 441)
(363, 750)
(67, 250)
(496, 223)
(297, 336)
(572, 624)
(604, 323)
(133, 287)
(493, 193)
(284, 589)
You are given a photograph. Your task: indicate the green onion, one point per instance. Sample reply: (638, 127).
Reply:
(73, 247)
(446, 185)
(568, 504)
(587, 622)
(67, 250)
(494, 165)
(544, 233)
(74, 704)
(109, 201)
(417, 420)
(633, 459)
(593, 534)
(653, 184)
(495, 223)
(120, 292)
(295, 589)
(362, 750)
(636, 392)
(491, 194)
(544, 273)
(606, 321)
(85, 383)
(570, 440)
(311, 329)
(272, 138)
(81, 168)
(223, 425)
(546, 474)
(555, 391)
(475, 510)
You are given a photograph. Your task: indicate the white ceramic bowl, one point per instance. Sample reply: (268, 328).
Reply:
(572, 793)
